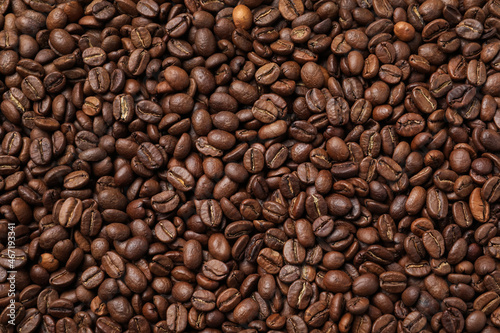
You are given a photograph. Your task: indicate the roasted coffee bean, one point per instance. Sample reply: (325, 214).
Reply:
(215, 270)
(480, 208)
(123, 108)
(40, 151)
(410, 124)
(113, 264)
(92, 277)
(228, 299)
(33, 88)
(246, 311)
(414, 322)
(60, 308)
(203, 300)
(490, 190)
(165, 231)
(487, 302)
(434, 243)
(337, 281)
(393, 282)
(13, 259)
(299, 294)
(337, 110)
(436, 203)
(164, 202)
(180, 178)
(270, 260)
(316, 314)
(71, 212)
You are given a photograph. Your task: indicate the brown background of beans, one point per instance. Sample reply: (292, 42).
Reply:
(250, 166)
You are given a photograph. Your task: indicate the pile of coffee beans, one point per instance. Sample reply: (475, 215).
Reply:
(250, 166)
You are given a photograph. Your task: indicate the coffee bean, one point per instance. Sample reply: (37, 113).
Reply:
(480, 208)
(410, 124)
(437, 203)
(228, 299)
(299, 294)
(60, 308)
(291, 9)
(246, 311)
(99, 80)
(295, 324)
(203, 300)
(94, 56)
(337, 281)
(180, 178)
(486, 302)
(40, 152)
(165, 231)
(434, 243)
(92, 277)
(393, 282)
(164, 202)
(148, 111)
(113, 264)
(62, 278)
(469, 29)
(414, 321)
(13, 259)
(337, 110)
(389, 169)
(71, 212)
(177, 318)
(215, 270)
(76, 180)
(270, 260)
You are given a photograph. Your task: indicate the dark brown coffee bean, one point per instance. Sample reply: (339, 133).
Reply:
(270, 260)
(203, 300)
(389, 169)
(469, 29)
(215, 270)
(414, 321)
(337, 111)
(299, 294)
(71, 212)
(489, 190)
(337, 281)
(76, 180)
(393, 282)
(434, 243)
(165, 231)
(316, 314)
(290, 10)
(13, 259)
(486, 302)
(92, 277)
(480, 208)
(94, 56)
(99, 80)
(113, 264)
(437, 203)
(60, 308)
(40, 151)
(410, 124)
(165, 202)
(180, 178)
(145, 110)
(246, 311)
